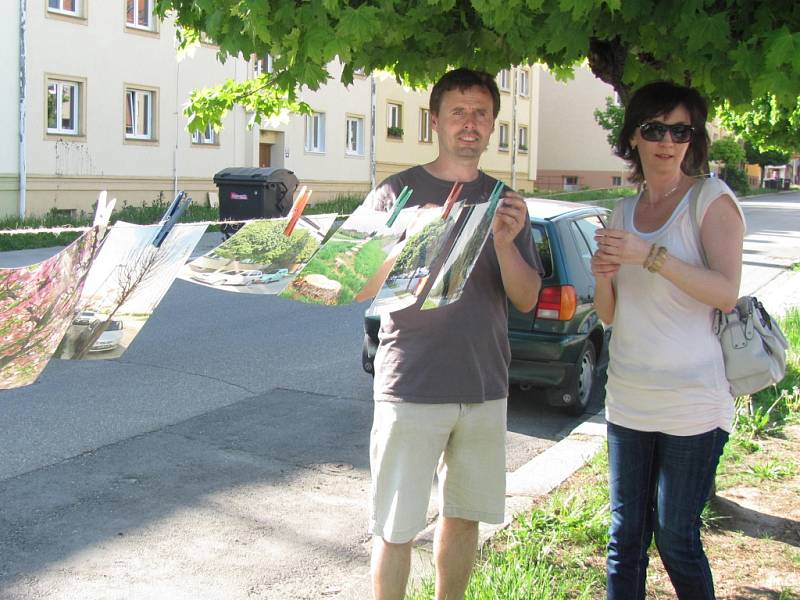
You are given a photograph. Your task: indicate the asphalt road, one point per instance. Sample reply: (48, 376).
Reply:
(224, 455)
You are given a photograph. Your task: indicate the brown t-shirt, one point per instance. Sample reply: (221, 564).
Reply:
(458, 352)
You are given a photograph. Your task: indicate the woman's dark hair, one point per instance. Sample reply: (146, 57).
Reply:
(659, 98)
(463, 79)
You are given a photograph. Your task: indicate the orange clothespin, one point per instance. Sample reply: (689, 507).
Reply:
(297, 210)
(451, 199)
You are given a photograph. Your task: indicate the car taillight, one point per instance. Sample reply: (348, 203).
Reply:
(557, 302)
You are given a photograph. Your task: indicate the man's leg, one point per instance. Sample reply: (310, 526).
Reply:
(405, 445)
(454, 547)
(391, 564)
(472, 480)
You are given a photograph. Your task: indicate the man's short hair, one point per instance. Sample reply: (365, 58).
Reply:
(463, 79)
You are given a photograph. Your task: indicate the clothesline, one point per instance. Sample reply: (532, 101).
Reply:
(81, 229)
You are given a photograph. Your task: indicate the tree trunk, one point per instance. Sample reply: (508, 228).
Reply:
(607, 61)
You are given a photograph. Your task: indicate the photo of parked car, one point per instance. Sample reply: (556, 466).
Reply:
(273, 277)
(110, 338)
(554, 348)
(229, 277)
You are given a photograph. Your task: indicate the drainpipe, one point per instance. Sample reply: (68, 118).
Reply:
(23, 31)
(514, 128)
(177, 127)
(372, 109)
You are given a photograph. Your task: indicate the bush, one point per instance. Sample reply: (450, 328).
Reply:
(736, 179)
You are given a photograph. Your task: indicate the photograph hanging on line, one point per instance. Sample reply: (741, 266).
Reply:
(37, 304)
(128, 279)
(354, 253)
(452, 277)
(259, 258)
(427, 237)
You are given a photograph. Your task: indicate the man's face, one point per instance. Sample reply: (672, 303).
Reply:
(464, 123)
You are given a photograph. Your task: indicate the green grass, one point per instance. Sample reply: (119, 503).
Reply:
(795, 267)
(555, 552)
(595, 195)
(142, 214)
(342, 204)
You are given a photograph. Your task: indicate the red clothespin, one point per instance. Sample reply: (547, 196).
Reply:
(297, 210)
(451, 199)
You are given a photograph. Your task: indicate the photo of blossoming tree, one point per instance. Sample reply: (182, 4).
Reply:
(37, 303)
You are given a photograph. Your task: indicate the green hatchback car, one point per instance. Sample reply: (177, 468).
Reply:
(554, 348)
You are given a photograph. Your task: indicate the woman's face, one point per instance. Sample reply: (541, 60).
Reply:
(665, 156)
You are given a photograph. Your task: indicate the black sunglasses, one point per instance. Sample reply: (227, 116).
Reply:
(654, 131)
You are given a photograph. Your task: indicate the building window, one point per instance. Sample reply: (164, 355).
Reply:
(505, 80)
(63, 107)
(139, 107)
(616, 180)
(354, 144)
(140, 14)
(523, 79)
(424, 125)
(64, 7)
(206, 137)
(315, 132)
(503, 133)
(523, 139)
(264, 65)
(570, 182)
(394, 120)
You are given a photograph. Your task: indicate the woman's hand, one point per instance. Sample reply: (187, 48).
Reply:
(620, 247)
(603, 268)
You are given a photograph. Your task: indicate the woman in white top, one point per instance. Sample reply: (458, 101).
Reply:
(668, 405)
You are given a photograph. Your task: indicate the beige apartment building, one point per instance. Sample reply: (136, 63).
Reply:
(573, 152)
(9, 113)
(104, 99)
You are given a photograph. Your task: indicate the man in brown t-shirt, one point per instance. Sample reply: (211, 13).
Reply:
(441, 375)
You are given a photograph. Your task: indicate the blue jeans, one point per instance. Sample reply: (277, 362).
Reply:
(659, 484)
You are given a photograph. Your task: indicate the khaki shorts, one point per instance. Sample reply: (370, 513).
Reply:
(464, 444)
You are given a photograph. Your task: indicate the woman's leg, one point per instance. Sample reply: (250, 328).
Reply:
(631, 470)
(686, 469)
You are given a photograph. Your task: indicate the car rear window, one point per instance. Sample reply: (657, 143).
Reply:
(543, 246)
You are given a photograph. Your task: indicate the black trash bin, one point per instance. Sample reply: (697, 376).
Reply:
(253, 193)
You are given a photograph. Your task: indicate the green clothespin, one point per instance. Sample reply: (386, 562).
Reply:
(494, 197)
(405, 194)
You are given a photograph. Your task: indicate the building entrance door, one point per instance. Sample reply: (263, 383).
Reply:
(264, 152)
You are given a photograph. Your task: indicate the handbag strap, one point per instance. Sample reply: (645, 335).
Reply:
(695, 195)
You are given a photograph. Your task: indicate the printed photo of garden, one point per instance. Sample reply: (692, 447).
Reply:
(427, 238)
(452, 277)
(353, 255)
(260, 258)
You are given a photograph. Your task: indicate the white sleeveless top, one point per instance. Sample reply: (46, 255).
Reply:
(666, 371)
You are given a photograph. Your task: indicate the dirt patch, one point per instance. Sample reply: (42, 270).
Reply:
(753, 544)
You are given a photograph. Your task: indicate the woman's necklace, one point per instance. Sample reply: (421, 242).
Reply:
(652, 202)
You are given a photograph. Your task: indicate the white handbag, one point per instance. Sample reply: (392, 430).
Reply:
(753, 346)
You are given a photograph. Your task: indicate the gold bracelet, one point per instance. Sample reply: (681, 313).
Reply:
(650, 256)
(658, 261)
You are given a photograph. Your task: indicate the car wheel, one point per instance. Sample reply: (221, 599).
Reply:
(581, 389)
(366, 360)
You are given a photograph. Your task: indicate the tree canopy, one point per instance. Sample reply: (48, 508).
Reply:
(732, 51)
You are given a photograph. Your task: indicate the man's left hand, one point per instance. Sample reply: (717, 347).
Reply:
(509, 219)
